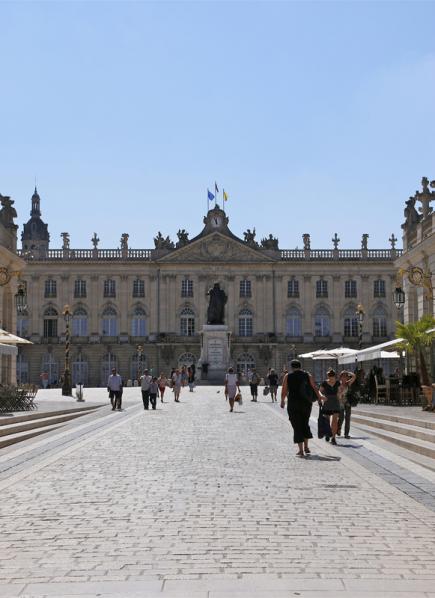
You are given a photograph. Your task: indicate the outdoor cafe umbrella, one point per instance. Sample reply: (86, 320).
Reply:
(7, 338)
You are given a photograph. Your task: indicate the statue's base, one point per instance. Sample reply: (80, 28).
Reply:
(215, 352)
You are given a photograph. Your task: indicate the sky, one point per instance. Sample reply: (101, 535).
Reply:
(316, 117)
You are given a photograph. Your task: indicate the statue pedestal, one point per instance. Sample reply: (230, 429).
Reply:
(215, 352)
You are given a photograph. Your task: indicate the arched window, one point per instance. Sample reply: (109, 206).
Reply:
(80, 322)
(50, 322)
(293, 323)
(139, 322)
(187, 322)
(107, 363)
(322, 325)
(245, 322)
(22, 369)
(51, 366)
(350, 323)
(80, 370)
(379, 322)
(245, 362)
(187, 359)
(109, 322)
(138, 365)
(23, 324)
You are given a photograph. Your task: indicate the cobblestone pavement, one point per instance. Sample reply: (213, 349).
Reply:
(190, 500)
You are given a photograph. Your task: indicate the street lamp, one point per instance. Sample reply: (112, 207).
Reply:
(66, 385)
(399, 297)
(139, 350)
(360, 313)
(21, 298)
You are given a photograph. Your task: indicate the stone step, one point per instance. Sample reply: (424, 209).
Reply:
(416, 445)
(27, 416)
(414, 431)
(14, 426)
(21, 436)
(425, 421)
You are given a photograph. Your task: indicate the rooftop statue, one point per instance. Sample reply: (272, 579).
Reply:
(66, 240)
(307, 241)
(250, 238)
(364, 241)
(8, 212)
(270, 243)
(411, 215)
(216, 306)
(183, 238)
(160, 242)
(124, 240)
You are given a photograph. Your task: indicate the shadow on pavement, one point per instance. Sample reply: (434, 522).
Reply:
(312, 457)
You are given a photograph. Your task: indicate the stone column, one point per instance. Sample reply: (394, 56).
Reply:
(94, 294)
(123, 302)
(336, 300)
(308, 309)
(258, 299)
(231, 308)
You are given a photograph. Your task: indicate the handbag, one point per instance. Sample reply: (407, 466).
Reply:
(323, 426)
(238, 398)
(307, 392)
(266, 391)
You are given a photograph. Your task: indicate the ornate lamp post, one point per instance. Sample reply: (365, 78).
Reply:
(139, 351)
(67, 386)
(21, 298)
(360, 313)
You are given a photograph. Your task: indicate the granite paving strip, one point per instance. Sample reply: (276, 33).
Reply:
(198, 499)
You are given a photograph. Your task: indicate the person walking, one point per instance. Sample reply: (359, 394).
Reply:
(176, 384)
(145, 383)
(331, 406)
(191, 377)
(254, 382)
(272, 381)
(154, 392)
(231, 387)
(114, 386)
(162, 381)
(298, 387)
(346, 381)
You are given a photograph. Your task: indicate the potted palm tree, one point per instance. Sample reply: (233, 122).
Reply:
(416, 338)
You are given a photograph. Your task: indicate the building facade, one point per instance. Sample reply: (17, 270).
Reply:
(145, 307)
(10, 268)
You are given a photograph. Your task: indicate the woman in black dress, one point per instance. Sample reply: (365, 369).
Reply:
(331, 406)
(295, 387)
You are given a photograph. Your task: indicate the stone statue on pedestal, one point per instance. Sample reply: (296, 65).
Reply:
(216, 306)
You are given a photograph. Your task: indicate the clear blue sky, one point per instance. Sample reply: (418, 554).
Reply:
(315, 116)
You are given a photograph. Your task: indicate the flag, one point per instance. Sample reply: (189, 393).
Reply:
(210, 195)
(225, 195)
(216, 190)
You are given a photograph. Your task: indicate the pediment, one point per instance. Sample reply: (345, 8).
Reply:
(216, 247)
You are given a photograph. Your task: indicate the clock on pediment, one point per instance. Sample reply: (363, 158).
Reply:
(216, 219)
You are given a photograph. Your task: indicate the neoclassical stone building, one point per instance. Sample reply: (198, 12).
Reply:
(281, 302)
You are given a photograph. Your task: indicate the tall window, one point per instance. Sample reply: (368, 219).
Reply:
(79, 288)
(293, 288)
(80, 370)
(107, 363)
(51, 366)
(50, 288)
(379, 288)
(350, 322)
(138, 288)
(109, 322)
(80, 322)
(245, 288)
(22, 369)
(138, 322)
(321, 288)
(109, 288)
(350, 288)
(245, 362)
(23, 324)
(50, 322)
(293, 322)
(187, 322)
(380, 322)
(322, 322)
(187, 288)
(245, 322)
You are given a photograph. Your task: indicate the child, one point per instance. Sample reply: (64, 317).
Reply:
(154, 391)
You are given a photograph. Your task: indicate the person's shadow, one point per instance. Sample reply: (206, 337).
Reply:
(312, 457)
